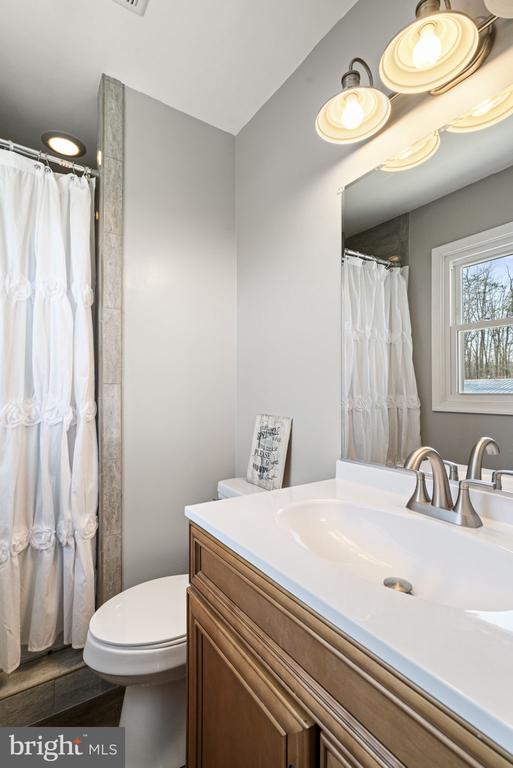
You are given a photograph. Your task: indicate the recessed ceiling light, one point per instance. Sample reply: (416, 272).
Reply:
(415, 155)
(63, 144)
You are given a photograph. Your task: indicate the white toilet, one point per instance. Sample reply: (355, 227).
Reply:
(138, 639)
(236, 486)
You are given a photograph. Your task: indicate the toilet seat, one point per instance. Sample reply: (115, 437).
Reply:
(148, 614)
(140, 632)
(142, 663)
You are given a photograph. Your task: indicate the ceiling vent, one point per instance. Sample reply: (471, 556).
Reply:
(137, 6)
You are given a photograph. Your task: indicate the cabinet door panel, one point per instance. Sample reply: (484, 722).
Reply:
(239, 716)
(390, 722)
(340, 756)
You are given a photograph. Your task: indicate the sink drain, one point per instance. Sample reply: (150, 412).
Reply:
(400, 585)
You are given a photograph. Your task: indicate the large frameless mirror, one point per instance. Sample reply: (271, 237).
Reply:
(427, 283)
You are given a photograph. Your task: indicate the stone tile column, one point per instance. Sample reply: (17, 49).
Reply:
(109, 298)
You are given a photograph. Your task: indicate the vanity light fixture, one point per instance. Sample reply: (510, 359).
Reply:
(433, 50)
(415, 155)
(486, 113)
(357, 112)
(438, 50)
(63, 144)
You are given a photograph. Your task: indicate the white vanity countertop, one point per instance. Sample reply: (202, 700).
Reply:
(463, 658)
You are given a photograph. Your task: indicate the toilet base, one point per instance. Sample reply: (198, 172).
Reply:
(155, 724)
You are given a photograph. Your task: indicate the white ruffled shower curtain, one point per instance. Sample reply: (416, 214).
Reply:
(48, 445)
(380, 403)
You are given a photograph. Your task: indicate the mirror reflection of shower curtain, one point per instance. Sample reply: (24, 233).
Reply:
(380, 403)
(48, 444)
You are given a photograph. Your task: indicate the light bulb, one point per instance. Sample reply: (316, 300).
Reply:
(352, 113)
(428, 49)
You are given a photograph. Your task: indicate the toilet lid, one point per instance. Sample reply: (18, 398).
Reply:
(236, 486)
(152, 613)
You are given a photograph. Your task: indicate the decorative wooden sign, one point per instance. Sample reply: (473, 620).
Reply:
(269, 451)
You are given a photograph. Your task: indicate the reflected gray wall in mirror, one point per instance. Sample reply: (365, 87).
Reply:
(384, 240)
(463, 190)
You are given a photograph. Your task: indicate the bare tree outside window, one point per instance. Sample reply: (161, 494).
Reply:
(487, 295)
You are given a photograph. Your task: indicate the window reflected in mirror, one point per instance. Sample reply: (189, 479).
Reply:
(486, 350)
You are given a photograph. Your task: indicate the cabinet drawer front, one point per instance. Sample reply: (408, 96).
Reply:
(238, 714)
(402, 725)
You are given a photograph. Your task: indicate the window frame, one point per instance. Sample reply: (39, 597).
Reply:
(447, 262)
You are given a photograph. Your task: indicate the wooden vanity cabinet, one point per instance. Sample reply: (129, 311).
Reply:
(239, 715)
(273, 685)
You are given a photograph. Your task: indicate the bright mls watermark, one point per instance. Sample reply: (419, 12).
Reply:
(30, 747)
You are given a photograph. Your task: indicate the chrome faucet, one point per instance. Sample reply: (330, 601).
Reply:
(441, 503)
(441, 506)
(475, 460)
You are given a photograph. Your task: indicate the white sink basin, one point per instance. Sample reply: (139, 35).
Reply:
(445, 564)
(331, 544)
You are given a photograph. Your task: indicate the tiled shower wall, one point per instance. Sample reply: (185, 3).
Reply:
(109, 308)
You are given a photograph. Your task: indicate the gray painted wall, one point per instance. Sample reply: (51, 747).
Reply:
(473, 209)
(179, 329)
(288, 231)
(387, 240)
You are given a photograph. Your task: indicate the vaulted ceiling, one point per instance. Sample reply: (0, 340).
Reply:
(218, 60)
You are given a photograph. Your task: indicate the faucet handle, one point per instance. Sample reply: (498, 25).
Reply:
(497, 476)
(453, 470)
(471, 483)
(420, 495)
(465, 513)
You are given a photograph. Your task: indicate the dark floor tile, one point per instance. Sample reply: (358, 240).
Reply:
(103, 710)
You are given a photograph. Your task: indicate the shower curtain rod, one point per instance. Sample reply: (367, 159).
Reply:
(45, 157)
(368, 257)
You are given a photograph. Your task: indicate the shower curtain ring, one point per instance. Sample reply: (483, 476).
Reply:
(11, 146)
(37, 164)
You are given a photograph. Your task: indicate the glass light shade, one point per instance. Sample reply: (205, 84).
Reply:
(353, 115)
(486, 113)
(415, 155)
(430, 52)
(501, 8)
